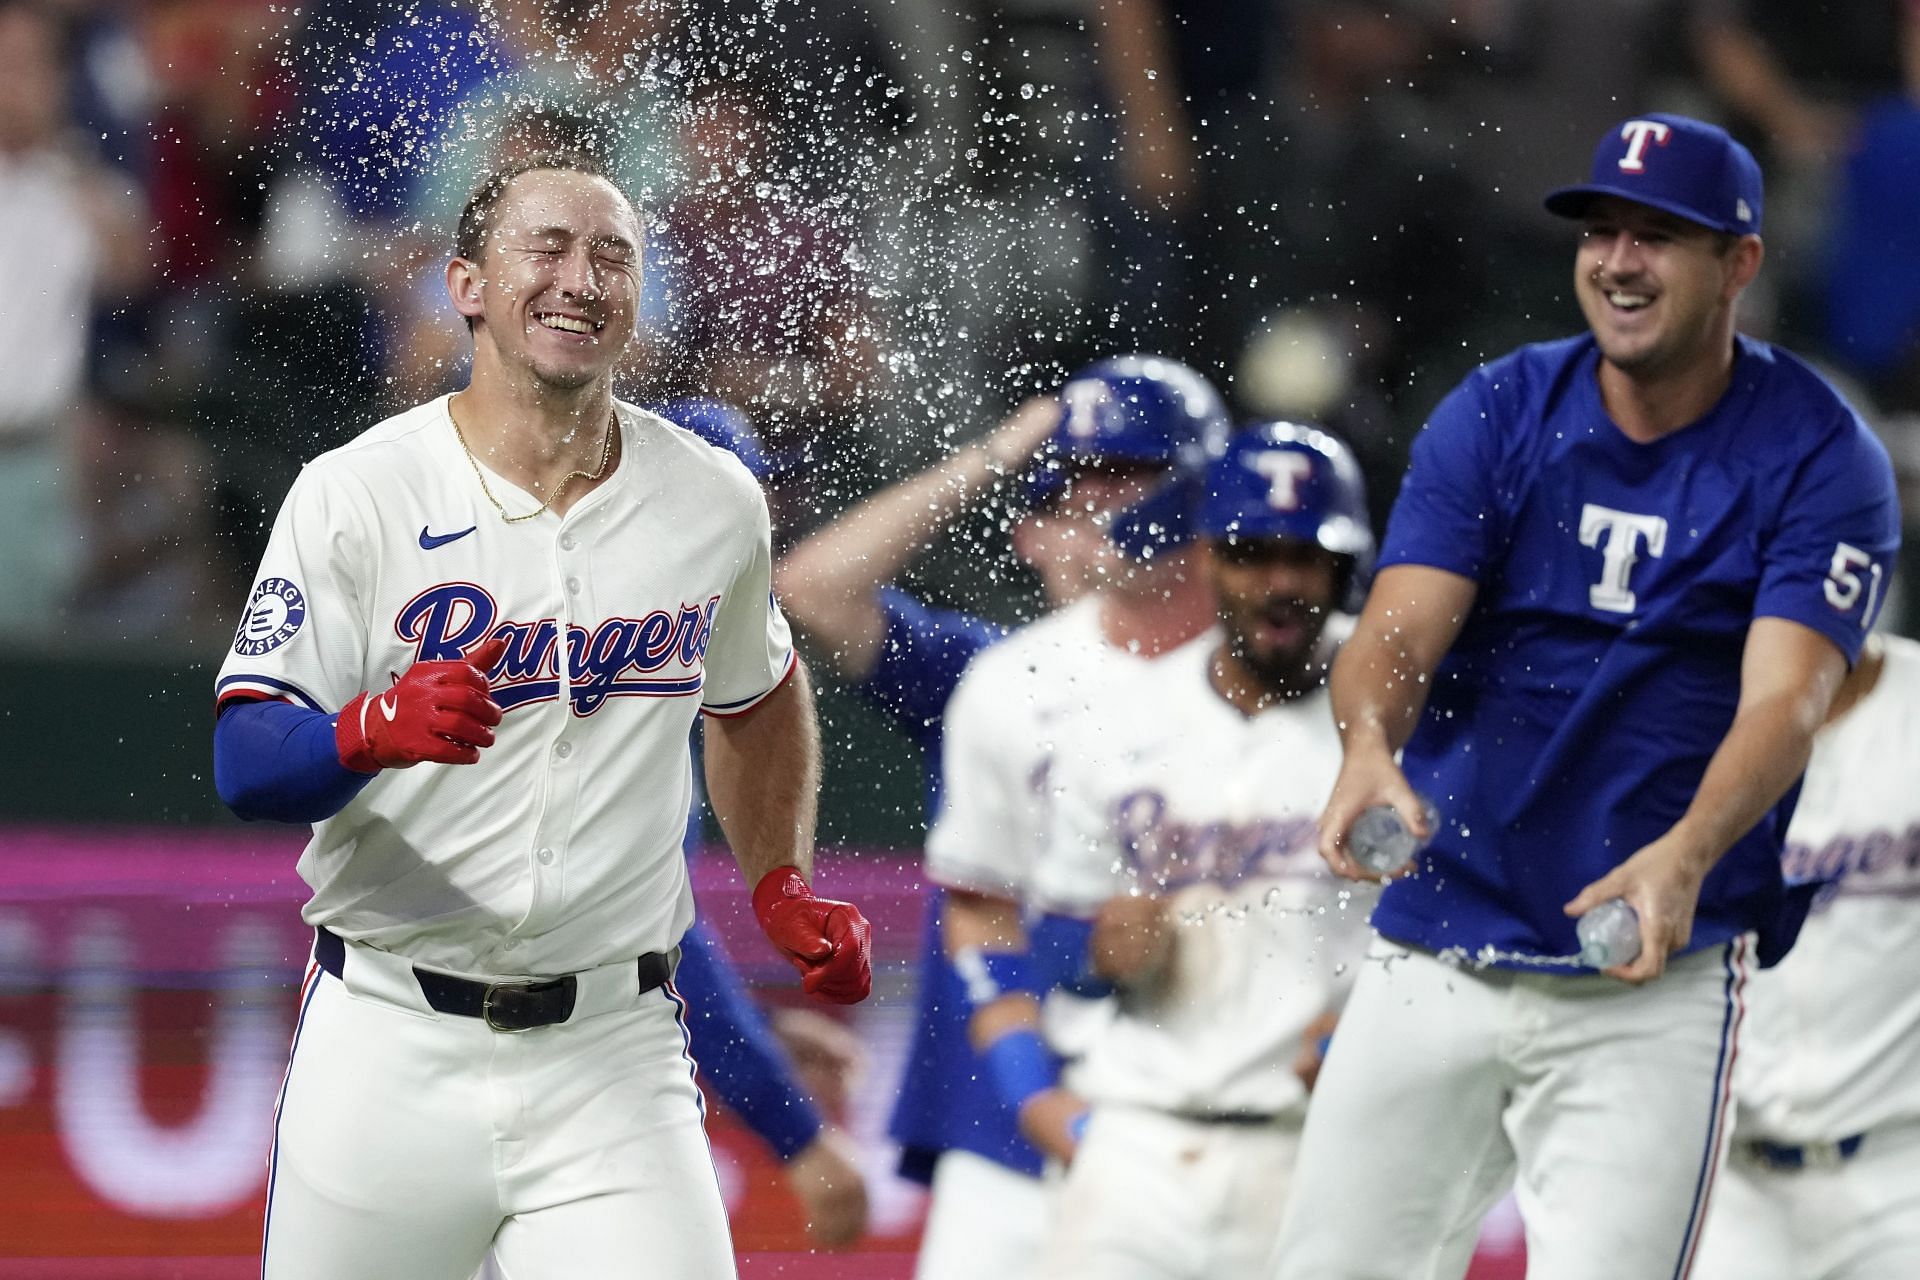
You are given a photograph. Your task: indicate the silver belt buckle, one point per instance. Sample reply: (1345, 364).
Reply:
(1822, 1155)
(486, 1005)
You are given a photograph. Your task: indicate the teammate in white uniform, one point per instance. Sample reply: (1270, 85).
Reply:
(1824, 1179)
(1123, 421)
(471, 658)
(1184, 826)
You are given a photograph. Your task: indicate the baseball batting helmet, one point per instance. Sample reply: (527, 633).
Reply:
(723, 426)
(1290, 480)
(1136, 409)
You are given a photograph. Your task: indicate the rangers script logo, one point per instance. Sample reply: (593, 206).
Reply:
(273, 616)
(661, 655)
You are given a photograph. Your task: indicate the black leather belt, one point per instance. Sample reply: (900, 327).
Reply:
(504, 1006)
(1815, 1155)
(1234, 1119)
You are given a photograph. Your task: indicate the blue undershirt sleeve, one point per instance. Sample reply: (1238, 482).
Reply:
(921, 660)
(279, 762)
(737, 1049)
(1062, 947)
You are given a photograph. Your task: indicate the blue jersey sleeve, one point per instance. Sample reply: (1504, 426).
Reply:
(276, 761)
(1447, 516)
(1827, 562)
(737, 1049)
(921, 660)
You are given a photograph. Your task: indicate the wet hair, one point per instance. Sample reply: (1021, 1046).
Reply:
(476, 219)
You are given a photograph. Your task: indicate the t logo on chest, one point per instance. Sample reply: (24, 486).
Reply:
(1619, 535)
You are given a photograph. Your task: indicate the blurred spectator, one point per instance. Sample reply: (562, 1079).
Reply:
(221, 94)
(69, 239)
(606, 64)
(1147, 177)
(1795, 78)
(381, 84)
(1873, 271)
(1186, 87)
(149, 570)
(1515, 93)
(257, 334)
(114, 88)
(589, 75)
(1796, 73)
(1360, 222)
(764, 283)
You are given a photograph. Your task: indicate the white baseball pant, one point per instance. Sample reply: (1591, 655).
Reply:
(408, 1142)
(1857, 1219)
(984, 1219)
(1151, 1196)
(1606, 1106)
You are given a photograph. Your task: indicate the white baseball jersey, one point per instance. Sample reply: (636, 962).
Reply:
(1169, 789)
(1832, 1042)
(1009, 709)
(561, 849)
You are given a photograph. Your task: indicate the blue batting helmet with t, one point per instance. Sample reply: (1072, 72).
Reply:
(1140, 409)
(1290, 480)
(723, 426)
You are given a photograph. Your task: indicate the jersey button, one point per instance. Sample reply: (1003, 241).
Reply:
(573, 585)
(545, 856)
(563, 749)
(568, 542)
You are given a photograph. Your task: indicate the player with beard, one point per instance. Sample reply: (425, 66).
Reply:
(1183, 843)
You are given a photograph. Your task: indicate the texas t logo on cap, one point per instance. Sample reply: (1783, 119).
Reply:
(1638, 133)
(1687, 167)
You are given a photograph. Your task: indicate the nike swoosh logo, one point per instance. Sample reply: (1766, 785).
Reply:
(388, 707)
(428, 541)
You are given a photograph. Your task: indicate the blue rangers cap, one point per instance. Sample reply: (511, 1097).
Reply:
(1290, 480)
(1686, 167)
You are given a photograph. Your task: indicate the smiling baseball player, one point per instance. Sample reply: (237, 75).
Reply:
(1824, 1179)
(471, 659)
(1623, 577)
(1132, 435)
(1183, 829)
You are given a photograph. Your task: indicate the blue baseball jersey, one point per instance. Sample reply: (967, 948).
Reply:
(921, 660)
(1599, 669)
(946, 1099)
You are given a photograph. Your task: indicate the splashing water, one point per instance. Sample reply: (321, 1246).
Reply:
(1489, 957)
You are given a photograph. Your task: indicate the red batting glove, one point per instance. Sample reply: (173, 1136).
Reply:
(829, 942)
(439, 711)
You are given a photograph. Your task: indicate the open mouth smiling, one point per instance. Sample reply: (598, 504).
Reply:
(562, 323)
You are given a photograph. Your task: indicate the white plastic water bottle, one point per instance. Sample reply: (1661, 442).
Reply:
(1381, 843)
(1609, 935)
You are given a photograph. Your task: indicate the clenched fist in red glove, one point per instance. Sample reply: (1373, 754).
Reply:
(829, 942)
(439, 711)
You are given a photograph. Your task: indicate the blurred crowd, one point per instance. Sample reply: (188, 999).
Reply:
(873, 226)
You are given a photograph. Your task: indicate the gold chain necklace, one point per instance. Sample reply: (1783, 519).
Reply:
(606, 456)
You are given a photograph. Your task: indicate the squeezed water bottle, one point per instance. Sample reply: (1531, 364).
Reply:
(1609, 935)
(1381, 843)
